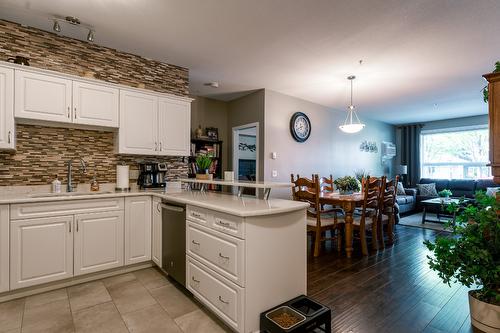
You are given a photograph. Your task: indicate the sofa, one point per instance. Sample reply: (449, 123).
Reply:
(459, 187)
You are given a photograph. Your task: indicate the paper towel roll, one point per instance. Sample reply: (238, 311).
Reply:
(122, 177)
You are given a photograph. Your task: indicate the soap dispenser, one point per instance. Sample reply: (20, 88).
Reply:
(56, 185)
(94, 185)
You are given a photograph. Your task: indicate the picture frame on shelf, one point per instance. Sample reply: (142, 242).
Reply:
(212, 133)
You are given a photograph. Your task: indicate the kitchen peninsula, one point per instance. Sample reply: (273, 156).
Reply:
(243, 255)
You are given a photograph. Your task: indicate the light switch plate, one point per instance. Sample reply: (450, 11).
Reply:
(274, 155)
(275, 173)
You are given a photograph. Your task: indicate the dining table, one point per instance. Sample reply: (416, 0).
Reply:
(348, 202)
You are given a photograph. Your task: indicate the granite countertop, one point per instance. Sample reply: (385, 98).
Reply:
(226, 203)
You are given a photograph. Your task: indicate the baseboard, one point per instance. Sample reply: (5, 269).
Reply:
(19, 293)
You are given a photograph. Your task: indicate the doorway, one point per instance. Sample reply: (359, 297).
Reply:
(246, 153)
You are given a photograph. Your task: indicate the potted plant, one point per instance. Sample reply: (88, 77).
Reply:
(471, 256)
(446, 194)
(203, 163)
(347, 185)
(485, 89)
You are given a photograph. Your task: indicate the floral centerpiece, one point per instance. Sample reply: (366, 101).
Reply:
(347, 185)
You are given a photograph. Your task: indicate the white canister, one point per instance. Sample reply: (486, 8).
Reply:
(122, 177)
(229, 176)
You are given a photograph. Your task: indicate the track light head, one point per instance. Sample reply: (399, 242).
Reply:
(56, 27)
(90, 36)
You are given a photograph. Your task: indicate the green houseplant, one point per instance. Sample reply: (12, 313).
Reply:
(471, 256)
(485, 89)
(347, 185)
(203, 163)
(445, 193)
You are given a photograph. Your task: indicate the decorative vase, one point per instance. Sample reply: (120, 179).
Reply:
(484, 316)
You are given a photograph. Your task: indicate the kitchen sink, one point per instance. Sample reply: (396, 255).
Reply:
(66, 194)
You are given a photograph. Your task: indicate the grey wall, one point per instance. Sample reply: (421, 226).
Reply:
(245, 110)
(328, 150)
(209, 112)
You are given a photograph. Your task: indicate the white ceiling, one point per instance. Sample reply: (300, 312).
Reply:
(422, 59)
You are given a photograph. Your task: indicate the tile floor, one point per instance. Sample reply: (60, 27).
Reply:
(141, 301)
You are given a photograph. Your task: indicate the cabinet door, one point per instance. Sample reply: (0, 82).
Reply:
(98, 241)
(157, 230)
(7, 138)
(42, 97)
(94, 104)
(138, 123)
(174, 127)
(4, 248)
(137, 229)
(41, 250)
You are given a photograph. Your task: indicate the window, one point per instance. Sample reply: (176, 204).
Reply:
(455, 154)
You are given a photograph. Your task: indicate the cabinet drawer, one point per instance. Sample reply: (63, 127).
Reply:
(66, 207)
(222, 253)
(228, 224)
(225, 223)
(198, 215)
(223, 297)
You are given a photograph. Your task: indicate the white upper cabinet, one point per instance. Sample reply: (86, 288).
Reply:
(42, 97)
(95, 104)
(98, 241)
(7, 132)
(138, 123)
(174, 124)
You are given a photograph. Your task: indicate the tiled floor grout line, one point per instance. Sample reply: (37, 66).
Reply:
(71, 311)
(22, 316)
(121, 315)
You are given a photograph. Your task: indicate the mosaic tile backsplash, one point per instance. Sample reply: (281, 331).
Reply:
(42, 153)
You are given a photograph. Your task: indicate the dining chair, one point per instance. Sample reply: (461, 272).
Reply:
(387, 210)
(326, 185)
(368, 218)
(318, 220)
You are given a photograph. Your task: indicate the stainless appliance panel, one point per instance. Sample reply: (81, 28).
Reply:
(174, 240)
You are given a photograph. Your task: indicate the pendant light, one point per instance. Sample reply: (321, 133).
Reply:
(352, 124)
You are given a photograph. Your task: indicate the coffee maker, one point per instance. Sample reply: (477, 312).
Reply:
(152, 175)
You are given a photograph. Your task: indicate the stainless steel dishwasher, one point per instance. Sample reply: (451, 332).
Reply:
(174, 240)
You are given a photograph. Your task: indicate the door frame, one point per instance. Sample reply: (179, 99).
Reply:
(236, 144)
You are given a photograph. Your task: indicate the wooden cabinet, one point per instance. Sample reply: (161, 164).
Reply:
(95, 104)
(42, 97)
(153, 125)
(156, 237)
(7, 130)
(41, 250)
(4, 248)
(494, 123)
(137, 229)
(138, 123)
(174, 129)
(98, 241)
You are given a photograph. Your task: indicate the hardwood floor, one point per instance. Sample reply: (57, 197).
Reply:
(392, 290)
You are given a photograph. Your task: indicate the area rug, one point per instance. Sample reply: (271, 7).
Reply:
(415, 220)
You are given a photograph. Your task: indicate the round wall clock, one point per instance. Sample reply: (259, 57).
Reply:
(300, 127)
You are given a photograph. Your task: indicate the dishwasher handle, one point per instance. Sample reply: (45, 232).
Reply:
(172, 208)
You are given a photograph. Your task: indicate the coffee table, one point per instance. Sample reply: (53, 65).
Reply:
(440, 204)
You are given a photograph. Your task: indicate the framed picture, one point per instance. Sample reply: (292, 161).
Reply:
(212, 133)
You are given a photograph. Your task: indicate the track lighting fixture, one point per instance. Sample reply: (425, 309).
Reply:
(56, 27)
(90, 36)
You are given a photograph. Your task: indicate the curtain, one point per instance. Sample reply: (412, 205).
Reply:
(410, 152)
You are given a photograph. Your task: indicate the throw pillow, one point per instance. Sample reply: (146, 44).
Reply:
(427, 190)
(400, 190)
(492, 191)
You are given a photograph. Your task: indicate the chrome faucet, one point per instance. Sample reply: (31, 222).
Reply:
(83, 168)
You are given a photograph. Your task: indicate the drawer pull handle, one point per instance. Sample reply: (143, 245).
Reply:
(223, 301)
(197, 281)
(223, 256)
(225, 224)
(196, 215)
(194, 242)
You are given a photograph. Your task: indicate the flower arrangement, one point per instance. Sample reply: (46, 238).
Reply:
(347, 185)
(445, 193)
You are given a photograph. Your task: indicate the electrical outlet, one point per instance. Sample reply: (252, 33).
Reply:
(274, 155)
(275, 173)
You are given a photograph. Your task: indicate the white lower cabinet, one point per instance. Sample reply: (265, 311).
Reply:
(137, 229)
(156, 236)
(4, 248)
(98, 241)
(41, 250)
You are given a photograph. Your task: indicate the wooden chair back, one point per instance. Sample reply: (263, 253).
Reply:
(388, 193)
(326, 184)
(371, 195)
(307, 190)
